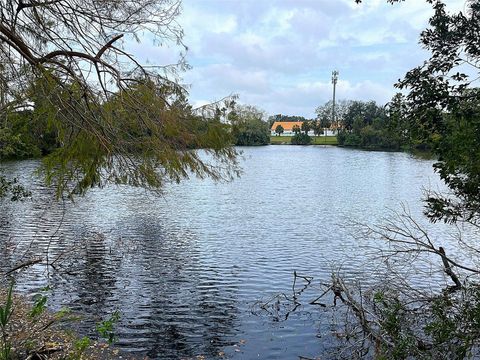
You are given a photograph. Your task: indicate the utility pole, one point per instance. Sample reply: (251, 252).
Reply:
(334, 82)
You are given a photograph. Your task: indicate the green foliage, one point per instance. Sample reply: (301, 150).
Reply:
(371, 127)
(301, 139)
(443, 108)
(279, 130)
(317, 127)
(6, 312)
(13, 189)
(39, 306)
(325, 112)
(396, 327)
(121, 122)
(397, 125)
(25, 134)
(306, 126)
(142, 136)
(285, 118)
(368, 138)
(248, 128)
(14, 146)
(348, 139)
(446, 326)
(5, 353)
(106, 328)
(296, 129)
(324, 123)
(323, 140)
(80, 346)
(458, 166)
(136, 138)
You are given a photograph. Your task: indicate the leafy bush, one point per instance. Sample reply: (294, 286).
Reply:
(13, 145)
(248, 128)
(369, 137)
(301, 139)
(341, 137)
(106, 328)
(252, 133)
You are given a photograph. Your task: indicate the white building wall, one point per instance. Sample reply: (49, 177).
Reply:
(310, 133)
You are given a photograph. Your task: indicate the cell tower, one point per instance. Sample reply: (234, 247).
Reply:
(334, 82)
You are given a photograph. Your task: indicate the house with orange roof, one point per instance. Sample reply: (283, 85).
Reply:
(287, 127)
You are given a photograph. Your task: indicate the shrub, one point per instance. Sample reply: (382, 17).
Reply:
(301, 139)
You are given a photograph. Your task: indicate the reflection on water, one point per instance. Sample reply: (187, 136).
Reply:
(187, 270)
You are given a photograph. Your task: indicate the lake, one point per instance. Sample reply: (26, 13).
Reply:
(190, 270)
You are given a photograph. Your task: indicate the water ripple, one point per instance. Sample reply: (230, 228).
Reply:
(186, 270)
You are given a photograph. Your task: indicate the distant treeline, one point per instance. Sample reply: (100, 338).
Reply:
(286, 118)
(367, 125)
(34, 131)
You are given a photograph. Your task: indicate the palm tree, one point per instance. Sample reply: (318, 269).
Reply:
(306, 126)
(279, 130)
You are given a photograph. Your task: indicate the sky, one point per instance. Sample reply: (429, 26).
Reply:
(279, 54)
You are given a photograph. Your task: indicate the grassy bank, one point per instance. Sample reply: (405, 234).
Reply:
(29, 331)
(319, 140)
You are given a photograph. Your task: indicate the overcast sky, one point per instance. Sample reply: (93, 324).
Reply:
(279, 54)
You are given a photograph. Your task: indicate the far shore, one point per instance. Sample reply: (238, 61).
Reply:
(316, 140)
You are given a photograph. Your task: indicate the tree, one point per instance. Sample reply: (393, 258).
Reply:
(442, 107)
(279, 130)
(325, 111)
(398, 320)
(70, 58)
(397, 124)
(366, 112)
(317, 128)
(296, 129)
(300, 139)
(442, 104)
(370, 126)
(356, 109)
(288, 118)
(306, 126)
(248, 127)
(325, 123)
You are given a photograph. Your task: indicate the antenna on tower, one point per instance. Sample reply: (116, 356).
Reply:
(334, 82)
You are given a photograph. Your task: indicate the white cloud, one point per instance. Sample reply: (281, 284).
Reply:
(279, 54)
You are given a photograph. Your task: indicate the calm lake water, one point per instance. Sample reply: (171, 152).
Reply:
(189, 270)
